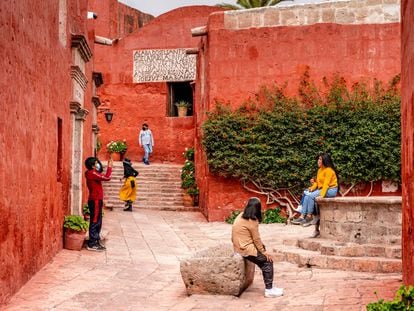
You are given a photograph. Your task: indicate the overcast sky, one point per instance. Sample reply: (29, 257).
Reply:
(158, 7)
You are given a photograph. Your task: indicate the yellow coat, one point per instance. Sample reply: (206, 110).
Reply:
(127, 192)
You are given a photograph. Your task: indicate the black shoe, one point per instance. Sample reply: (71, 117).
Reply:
(298, 221)
(96, 248)
(101, 245)
(146, 162)
(307, 222)
(315, 234)
(128, 209)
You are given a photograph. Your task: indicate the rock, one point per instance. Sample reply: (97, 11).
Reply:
(217, 270)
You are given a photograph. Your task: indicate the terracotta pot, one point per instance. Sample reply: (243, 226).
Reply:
(188, 200)
(182, 111)
(74, 239)
(116, 156)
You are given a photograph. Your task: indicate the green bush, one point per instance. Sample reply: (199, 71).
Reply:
(403, 301)
(270, 216)
(188, 181)
(273, 140)
(76, 223)
(85, 209)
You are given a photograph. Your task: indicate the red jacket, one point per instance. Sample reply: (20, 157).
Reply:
(94, 183)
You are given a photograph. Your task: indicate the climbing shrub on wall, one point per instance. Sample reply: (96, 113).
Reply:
(272, 141)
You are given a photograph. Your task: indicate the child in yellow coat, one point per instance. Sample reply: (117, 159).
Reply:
(128, 190)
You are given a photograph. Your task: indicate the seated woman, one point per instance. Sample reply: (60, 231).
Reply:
(326, 185)
(246, 241)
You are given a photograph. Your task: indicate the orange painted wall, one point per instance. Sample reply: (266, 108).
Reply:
(134, 104)
(35, 90)
(235, 63)
(407, 74)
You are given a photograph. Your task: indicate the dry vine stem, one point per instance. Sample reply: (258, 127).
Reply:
(275, 195)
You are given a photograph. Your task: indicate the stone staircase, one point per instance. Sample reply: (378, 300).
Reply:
(159, 187)
(329, 254)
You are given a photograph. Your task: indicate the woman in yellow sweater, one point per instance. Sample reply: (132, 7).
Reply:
(246, 242)
(326, 185)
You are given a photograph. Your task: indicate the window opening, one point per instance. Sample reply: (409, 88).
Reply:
(179, 91)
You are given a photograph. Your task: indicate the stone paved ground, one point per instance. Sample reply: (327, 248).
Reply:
(140, 271)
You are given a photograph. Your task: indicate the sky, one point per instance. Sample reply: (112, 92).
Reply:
(158, 7)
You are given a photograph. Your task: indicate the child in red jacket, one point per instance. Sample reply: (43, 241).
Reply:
(94, 178)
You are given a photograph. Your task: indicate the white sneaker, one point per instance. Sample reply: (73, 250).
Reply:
(273, 292)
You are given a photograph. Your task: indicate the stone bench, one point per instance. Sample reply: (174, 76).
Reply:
(362, 220)
(217, 270)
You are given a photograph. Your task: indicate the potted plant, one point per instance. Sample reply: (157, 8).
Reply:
(117, 148)
(182, 107)
(188, 181)
(75, 232)
(86, 212)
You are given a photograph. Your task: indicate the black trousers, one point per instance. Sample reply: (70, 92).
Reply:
(95, 222)
(265, 266)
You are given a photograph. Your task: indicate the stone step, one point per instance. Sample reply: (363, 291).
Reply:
(147, 201)
(158, 187)
(180, 208)
(308, 258)
(335, 248)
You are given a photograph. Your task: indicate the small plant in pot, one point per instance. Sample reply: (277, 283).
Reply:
(188, 180)
(75, 232)
(182, 107)
(86, 212)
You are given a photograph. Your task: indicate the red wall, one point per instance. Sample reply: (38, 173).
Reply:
(116, 20)
(36, 90)
(134, 104)
(235, 63)
(407, 112)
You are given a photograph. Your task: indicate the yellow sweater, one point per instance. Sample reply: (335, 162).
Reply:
(245, 237)
(325, 179)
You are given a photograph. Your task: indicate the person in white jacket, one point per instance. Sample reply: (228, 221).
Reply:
(146, 141)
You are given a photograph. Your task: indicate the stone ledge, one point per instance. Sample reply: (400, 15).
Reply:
(361, 220)
(362, 200)
(345, 12)
(216, 270)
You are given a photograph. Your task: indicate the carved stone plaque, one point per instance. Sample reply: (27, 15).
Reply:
(164, 65)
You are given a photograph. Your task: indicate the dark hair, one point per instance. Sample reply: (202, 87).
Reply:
(90, 162)
(253, 209)
(327, 162)
(145, 124)
(128, 169)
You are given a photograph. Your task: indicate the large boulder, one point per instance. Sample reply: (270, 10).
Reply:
(217, 270)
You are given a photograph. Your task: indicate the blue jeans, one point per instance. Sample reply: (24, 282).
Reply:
(148, 151)
(308, 205)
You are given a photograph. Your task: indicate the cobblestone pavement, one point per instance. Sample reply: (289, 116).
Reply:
(140, 271)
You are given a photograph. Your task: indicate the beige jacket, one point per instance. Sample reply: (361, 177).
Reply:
(245, 237)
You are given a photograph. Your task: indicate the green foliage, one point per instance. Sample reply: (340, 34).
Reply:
(404, 300)
(232, 217)
(85, 209)
(274, 140)
(98, 144)
(249, 4)
(270, 216)
(76, 223)
(182, 103)
(188, 180)
(117, 146)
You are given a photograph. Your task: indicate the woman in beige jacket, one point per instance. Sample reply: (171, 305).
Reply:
(246, 241)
